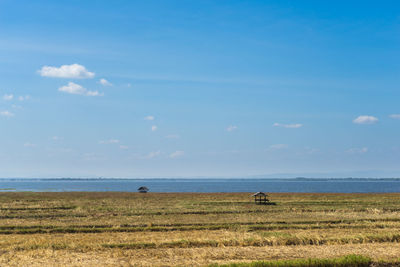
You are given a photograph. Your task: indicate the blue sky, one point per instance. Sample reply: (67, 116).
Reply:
(199, 88)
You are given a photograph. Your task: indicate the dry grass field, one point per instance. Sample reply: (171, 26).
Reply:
(166, 229)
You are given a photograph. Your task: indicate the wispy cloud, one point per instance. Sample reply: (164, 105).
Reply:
(123, 147)
(64, 150)
(310, 150)
(94, 93)
(93, 156)
(154, 128)
(152, 155)
(24, 97)
(16, 106)
(76, 89)
(110, 141)
(279, 146)
(395, 116)
(149, 118)
(57, 138)
(74, 71)
(104, 82)
(365, 119)
(231, 128)
(294, 125)
(6, 113)
(362, 150)
(177, 154)
(8, 97)
(29, 145)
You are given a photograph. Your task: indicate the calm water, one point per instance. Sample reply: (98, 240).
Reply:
(203, 185)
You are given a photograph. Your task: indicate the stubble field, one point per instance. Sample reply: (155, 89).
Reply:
(188, 229)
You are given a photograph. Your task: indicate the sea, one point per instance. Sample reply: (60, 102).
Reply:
(204, 185)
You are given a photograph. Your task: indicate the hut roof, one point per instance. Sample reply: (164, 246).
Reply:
(143, 188)
(259, 194)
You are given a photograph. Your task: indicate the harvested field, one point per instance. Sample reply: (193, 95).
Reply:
(168, 229)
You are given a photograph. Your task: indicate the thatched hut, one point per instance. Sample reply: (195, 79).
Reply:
(143, 189)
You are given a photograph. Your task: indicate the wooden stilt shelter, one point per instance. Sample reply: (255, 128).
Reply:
(260, 198)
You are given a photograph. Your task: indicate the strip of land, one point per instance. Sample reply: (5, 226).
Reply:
(181, 229)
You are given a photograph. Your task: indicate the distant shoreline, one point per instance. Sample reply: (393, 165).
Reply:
(208, 178)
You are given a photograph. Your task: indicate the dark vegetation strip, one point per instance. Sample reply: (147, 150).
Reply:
(175, 213)
(166, 213)
(201, 212)
(167, 229)
(249, 226)
(42, 216)
(346, 261)
(40, 208)
(256, 224)
(290, 241)
(308, 203)
(256, 211)
(27, 227)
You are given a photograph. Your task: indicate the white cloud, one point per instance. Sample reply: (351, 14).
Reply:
(357, 150)
(154, 128)
(16, 107)
(294, 125)
(231, 128)
(24, 97)
(74, 71)
(279, 146)
(57, 138)
(94, 93)
(73, 88)
(152, 155)
(29, 145)
(123, 147)
(104, 82)
(6, 113)
(172, 136)
(177, 154)
(76, 89)
(8, 97)
(149, 118)
(395, 116)
(364, 119)
(111, 141)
